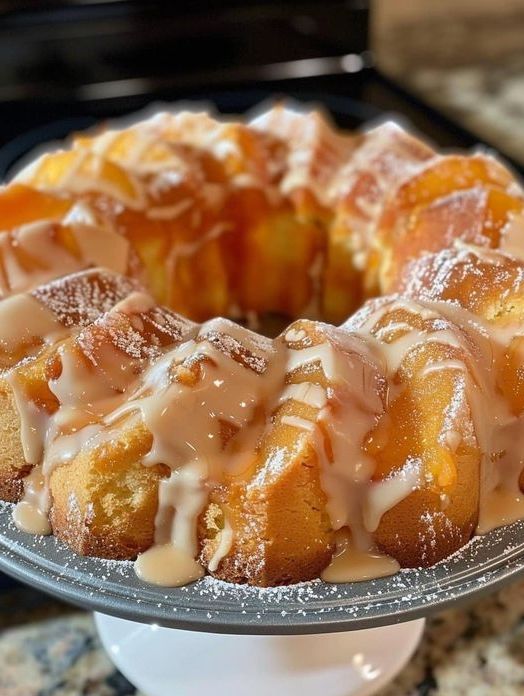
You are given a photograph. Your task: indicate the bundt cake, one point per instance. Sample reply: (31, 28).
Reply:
(138, 424)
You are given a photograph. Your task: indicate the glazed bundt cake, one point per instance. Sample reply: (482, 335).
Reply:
(138, 424)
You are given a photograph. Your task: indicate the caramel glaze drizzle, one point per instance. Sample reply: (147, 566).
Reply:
(239, 380)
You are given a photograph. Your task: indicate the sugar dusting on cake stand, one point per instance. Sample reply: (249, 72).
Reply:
(163, 661)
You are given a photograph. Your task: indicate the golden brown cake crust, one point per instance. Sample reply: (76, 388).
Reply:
(105, 503)
(13, 467)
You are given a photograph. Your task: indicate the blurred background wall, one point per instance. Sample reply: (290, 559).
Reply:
(465, 57)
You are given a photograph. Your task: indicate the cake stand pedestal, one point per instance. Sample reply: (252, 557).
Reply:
(166, 661)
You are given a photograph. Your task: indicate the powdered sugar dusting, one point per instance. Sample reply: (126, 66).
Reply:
(78, 299)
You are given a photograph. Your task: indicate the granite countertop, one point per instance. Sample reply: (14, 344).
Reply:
(50, 649)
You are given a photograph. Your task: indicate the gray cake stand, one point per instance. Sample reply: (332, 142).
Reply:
(373, 626)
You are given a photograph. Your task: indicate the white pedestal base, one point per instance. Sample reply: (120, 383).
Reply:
(164, 662)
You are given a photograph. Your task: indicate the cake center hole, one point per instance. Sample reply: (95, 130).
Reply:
(268, 324)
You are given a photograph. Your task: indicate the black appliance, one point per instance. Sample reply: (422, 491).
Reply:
(67, 65)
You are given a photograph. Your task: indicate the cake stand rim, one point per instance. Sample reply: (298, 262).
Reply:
(258, 619)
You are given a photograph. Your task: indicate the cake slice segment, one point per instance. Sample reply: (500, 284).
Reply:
(192, 414)
(31, 325)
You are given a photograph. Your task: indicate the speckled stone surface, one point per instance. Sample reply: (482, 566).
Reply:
(50, 649)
